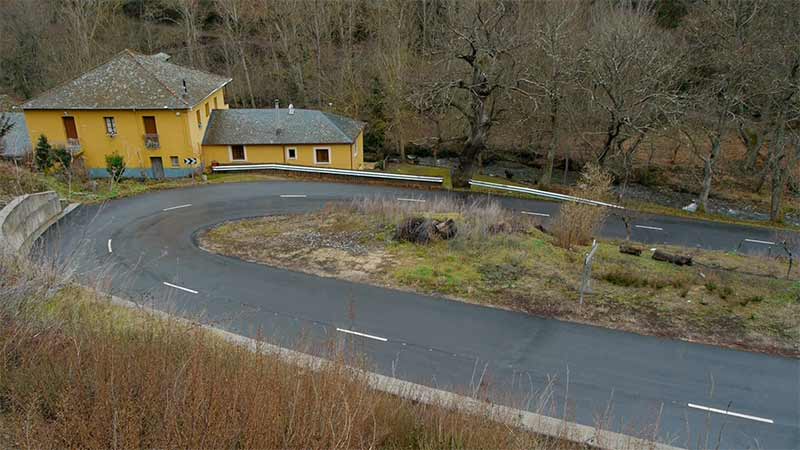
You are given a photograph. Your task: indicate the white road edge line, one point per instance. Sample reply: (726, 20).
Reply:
(109, 247)
(418, 200)
(756, 241)
(530, 213)
(649, 228)
(181, 288)
(720, 411)
(293, 195)
(369, 336)
(177, 207)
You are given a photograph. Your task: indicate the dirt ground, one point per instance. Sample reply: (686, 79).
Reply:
(724, 299)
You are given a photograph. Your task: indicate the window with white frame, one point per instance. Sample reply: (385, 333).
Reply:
(322, 156)
(238, 153)
(111, 126)
(291, 153)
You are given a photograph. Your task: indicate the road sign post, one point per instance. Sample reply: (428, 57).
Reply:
(190, 162)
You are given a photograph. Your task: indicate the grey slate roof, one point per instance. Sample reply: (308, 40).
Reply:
(132, 81)
(17, 143)
(277, 126)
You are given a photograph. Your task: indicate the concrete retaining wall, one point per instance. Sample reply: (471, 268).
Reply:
(25, 218)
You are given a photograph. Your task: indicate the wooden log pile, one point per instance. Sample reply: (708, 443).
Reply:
(679, 260)
(630, 249)
(421, 230)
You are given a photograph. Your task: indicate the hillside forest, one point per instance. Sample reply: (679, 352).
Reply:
(700, 97)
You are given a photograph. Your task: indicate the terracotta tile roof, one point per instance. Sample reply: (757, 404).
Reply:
(132, 81)
(277, 126)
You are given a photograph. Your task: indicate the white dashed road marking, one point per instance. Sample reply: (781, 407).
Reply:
(177, 207)
(649, 228)
(293, 196)
(418, 200)
(530, 213)
(729, 413)
(756, 241)
(109, 247)
(368, 336)
(191, 291)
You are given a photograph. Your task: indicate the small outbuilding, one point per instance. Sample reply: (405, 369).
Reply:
(293, 136)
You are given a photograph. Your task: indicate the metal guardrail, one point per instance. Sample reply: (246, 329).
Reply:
(540, 193)
(329, 171)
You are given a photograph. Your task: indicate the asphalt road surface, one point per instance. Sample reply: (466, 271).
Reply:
(143, 248)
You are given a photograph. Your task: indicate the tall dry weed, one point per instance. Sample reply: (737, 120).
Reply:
(577, 223)
(101, 378)
(475, 216)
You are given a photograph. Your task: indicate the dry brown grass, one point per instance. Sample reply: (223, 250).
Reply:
(16, 180)
(577, 223)
(78, 373)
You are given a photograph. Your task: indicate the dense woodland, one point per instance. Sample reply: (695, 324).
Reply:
(616, 82)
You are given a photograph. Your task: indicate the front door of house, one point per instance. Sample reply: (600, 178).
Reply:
(158, 167)
(70, 128)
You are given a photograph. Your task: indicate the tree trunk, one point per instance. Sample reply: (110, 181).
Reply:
(547, 176)
(611, 136)
(753, 147)
(708, 172)
(247, 76)
(780, 172)
(467, 161)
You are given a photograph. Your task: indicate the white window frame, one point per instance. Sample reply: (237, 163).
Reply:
(295, 153)
(330, 156)
(230, 154)
(112, 130)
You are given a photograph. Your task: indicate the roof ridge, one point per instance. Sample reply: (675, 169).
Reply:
(164, 85)
(342, 132)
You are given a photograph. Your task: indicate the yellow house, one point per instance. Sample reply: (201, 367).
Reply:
(284, 136)
(168, 121)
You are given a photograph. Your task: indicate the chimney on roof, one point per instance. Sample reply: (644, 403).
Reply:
(291, 109)
(185, 89)
(277, 103)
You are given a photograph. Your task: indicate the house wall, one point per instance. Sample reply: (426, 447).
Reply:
(341, 155)
(178, 135)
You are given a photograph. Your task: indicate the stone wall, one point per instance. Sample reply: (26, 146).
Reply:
(25, 218)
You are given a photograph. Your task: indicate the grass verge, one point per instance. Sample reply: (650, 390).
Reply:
(504, 261)
(78, 372)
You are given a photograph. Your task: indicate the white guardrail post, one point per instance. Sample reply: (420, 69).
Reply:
(328, 171)
(540, 193)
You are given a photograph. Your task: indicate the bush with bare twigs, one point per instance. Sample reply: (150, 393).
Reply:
(577, 223)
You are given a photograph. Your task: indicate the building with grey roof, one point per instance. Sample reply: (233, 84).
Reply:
(16, 144)
(279, 127)
(132, 81)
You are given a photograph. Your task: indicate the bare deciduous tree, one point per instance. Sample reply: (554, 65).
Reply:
(554, 62)
(485, 37)
(721, 34)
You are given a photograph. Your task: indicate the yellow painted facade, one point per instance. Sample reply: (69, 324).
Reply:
(178, 134)
(342, 156)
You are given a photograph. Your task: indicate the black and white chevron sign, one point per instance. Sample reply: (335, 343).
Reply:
(190, 161)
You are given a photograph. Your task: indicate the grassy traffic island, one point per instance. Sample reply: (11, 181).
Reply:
(507, 261)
